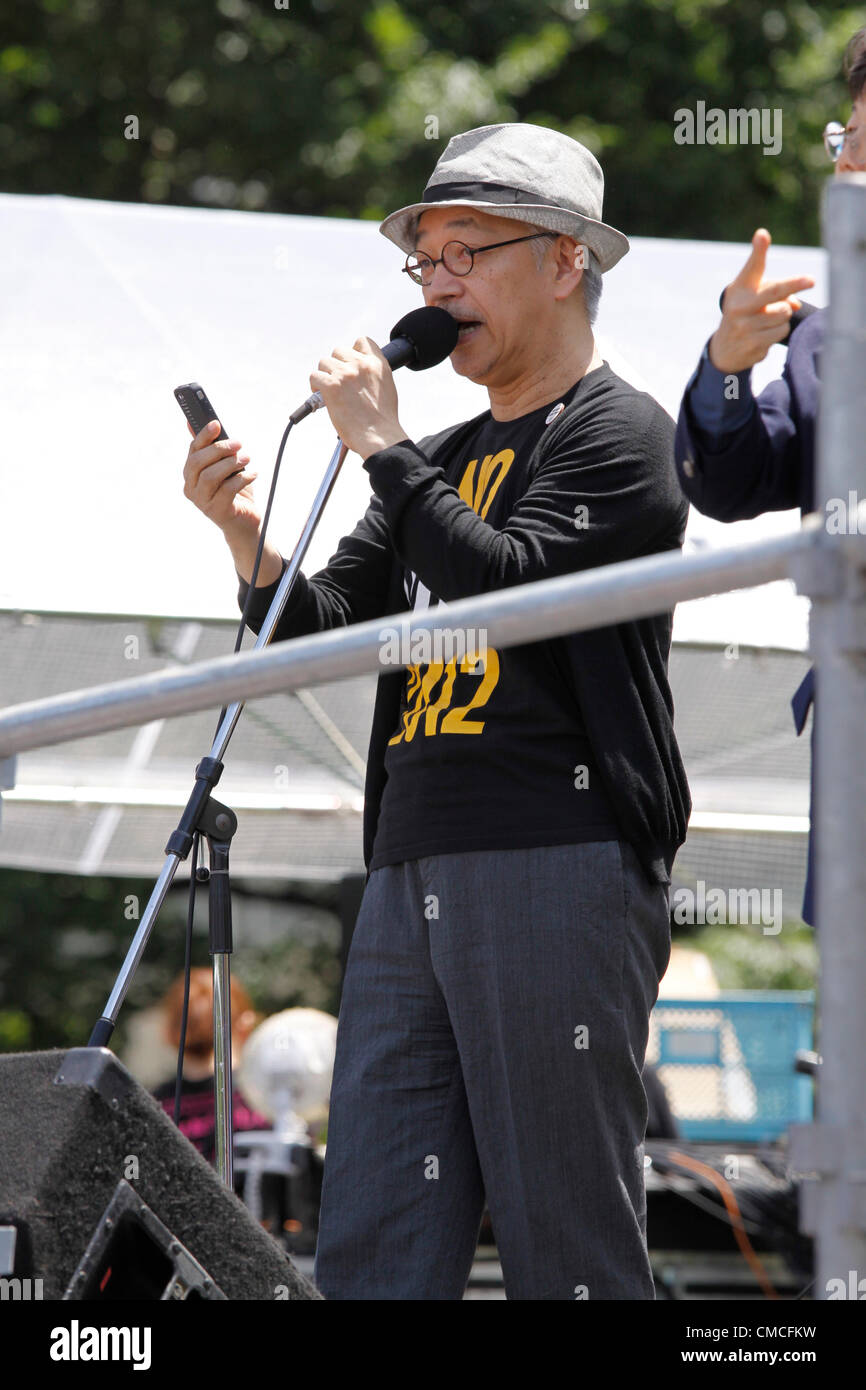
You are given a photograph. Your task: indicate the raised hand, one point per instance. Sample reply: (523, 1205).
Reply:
(755, 311)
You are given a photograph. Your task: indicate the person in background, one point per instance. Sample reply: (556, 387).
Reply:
(737, 455)
(197, 1099)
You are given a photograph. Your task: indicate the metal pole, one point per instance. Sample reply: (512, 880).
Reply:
(524, 613)
(222, 1041)
(834, 1149)
(296, 559)
(105, 1024)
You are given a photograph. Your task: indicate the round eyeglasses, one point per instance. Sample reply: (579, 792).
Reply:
(836, 137)
(456, 258)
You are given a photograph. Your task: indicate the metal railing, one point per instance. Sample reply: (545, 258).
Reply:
(830, 1155)
(528, 612)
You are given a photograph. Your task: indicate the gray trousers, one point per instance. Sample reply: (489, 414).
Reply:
(492, 1032)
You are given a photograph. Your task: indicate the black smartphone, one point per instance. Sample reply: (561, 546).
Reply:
(194, 403)
(197, 408)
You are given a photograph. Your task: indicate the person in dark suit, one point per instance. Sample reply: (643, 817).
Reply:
(737, 455)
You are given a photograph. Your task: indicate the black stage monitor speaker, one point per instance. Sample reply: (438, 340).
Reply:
(101, 1197)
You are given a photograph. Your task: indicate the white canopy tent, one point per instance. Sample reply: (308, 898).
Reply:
(108, 307)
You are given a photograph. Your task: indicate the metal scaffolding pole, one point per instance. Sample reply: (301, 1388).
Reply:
(827, 558)
(831, 1154)
(524, 613)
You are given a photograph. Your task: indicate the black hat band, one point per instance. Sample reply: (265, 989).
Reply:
(481, 193)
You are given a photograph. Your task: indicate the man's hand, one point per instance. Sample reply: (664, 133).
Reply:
(224, 492)
(357, 386)
(215, 480)
(755, 312)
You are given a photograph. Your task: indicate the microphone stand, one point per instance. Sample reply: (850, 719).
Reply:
(204, 814)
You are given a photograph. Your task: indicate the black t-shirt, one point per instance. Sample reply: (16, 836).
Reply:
(603, 489)
(493, 753)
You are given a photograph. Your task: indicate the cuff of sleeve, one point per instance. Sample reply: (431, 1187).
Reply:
(398, 472)
(263, 596)
(719, 402)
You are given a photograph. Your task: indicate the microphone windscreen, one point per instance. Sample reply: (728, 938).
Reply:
(433, 334)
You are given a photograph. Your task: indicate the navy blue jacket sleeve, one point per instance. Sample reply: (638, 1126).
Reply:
(767, 465)
(756, 469)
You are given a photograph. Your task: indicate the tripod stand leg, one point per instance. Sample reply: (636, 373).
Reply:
(207, 775)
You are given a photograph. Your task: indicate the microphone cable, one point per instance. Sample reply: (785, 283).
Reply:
(428, 335)
(196, 839)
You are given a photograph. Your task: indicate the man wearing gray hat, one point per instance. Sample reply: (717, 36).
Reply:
(522, 810)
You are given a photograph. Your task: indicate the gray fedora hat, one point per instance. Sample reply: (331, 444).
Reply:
(525, 172)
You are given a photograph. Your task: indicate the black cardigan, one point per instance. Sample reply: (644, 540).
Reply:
(618, 673)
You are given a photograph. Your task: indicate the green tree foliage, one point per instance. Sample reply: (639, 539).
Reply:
(63, 939)
(743, 958)
(335, 108)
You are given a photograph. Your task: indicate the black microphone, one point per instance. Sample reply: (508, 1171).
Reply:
(422, 339)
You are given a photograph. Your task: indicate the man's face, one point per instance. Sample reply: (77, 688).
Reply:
(503, 296)
(852, 160)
